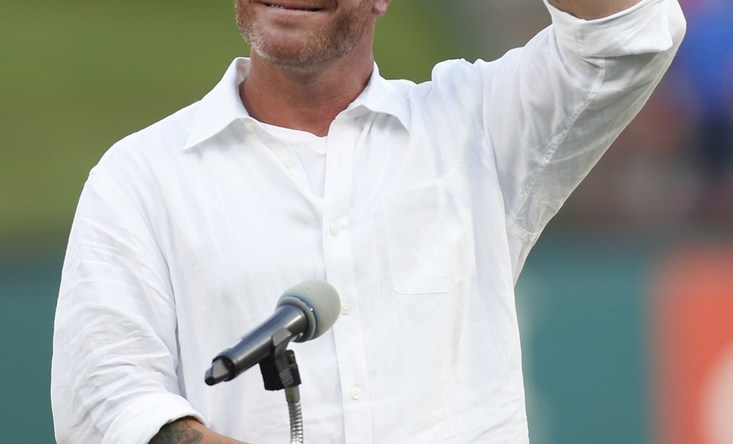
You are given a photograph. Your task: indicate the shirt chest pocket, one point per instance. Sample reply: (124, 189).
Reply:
(426, 235)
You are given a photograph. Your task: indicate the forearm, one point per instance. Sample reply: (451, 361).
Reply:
(189, 431)
(593, 9)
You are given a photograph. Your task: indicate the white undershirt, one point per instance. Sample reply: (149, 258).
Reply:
(310, 150)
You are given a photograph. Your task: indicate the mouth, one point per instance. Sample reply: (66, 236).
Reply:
(292, 7)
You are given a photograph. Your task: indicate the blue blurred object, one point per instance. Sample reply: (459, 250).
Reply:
(705, 67)
(706, 56)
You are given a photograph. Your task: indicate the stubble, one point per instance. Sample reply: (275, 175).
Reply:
(316, 47)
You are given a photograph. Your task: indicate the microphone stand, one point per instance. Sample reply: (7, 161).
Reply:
(280, 371)
(303, 312)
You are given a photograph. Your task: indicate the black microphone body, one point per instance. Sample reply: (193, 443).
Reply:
(303, 312)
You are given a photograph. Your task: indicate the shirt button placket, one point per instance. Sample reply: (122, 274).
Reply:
(338, 255)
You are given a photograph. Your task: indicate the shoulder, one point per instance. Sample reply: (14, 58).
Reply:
(454, 85)
(154, 144)
(448, 72)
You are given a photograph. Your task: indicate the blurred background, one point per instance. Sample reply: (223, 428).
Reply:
(626, 304)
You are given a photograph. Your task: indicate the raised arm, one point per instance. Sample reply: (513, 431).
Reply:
(571, 90)
(593, 9)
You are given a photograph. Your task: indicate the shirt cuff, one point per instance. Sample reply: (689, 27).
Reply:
(141, 421)
(644, 28)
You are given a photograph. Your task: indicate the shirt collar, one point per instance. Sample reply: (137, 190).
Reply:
(222, 105)
(382, 96)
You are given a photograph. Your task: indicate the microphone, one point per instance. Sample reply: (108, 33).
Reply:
(302, 313)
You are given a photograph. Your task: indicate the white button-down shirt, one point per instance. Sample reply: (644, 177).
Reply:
(433, 194)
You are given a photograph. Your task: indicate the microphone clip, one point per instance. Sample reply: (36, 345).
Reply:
(280, 369)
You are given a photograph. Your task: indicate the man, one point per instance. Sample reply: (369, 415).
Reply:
(418, 203)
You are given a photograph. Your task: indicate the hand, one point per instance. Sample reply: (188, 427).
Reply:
(592, 9)
(189, 431)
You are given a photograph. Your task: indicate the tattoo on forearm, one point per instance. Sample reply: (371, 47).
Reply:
(178, 432)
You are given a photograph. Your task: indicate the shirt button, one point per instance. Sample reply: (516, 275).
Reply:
(250, 126)
(335, 230)
(346, 309)
(356, 393)
(289, 164)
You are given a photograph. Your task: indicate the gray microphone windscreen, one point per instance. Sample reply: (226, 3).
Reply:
(319, 302)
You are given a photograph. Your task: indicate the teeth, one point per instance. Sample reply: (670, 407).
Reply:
(270, 5)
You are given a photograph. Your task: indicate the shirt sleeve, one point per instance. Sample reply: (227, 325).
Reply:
(565, 97)
(115, 356)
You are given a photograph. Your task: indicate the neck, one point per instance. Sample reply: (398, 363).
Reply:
(305, 99)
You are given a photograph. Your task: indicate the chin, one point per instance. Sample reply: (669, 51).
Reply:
(298, 54)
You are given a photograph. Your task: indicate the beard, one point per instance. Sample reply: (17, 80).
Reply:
(312, 47)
